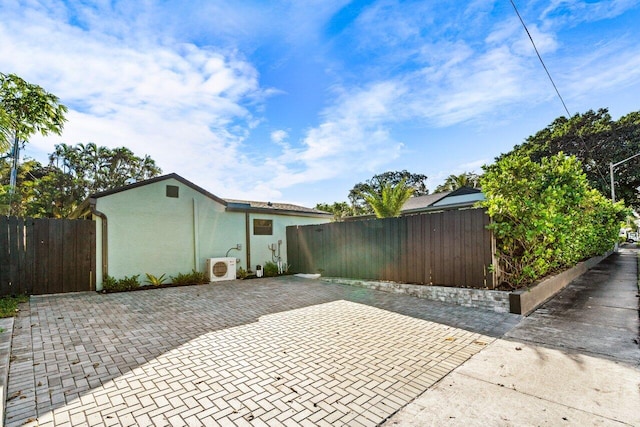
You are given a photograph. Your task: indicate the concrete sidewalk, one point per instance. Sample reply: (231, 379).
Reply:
(575, 361)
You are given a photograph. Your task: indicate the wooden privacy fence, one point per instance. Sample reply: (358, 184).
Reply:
(451, 248)
(45, 256)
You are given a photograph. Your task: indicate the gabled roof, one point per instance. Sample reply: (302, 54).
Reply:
(439, 200)
(230, 204)
(433, 202)
(158, 179)
(270, 206)
(419, 202)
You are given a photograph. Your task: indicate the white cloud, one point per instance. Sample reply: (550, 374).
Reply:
(189, 108)
(279, 137)
(573, 12)
(194, 105)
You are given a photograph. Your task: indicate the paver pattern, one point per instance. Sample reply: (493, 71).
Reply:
(261, 352)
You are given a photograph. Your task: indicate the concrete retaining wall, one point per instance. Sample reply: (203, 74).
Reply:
(497, 301)
(524, 301)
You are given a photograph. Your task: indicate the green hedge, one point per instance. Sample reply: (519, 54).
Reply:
(545, 216)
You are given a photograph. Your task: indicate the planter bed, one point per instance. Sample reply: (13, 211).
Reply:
(525, 301)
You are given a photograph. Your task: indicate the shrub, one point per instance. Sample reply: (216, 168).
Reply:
(545, 216)
(128, 283)
(181, 279)
(198, 277)
(270, 269)
(9, 305)
(109, 283)
(241, 273)
(155, 281)
(193, 278)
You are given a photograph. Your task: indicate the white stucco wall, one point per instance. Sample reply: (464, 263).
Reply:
(149, 232)
(260, 253)
(152, 233)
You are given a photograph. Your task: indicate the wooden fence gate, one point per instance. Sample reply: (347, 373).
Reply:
(46, 256)
(451, 248)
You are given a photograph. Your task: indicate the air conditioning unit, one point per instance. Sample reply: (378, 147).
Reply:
(219, 269)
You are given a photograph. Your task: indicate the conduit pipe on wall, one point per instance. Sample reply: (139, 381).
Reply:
(196, 234)
(247, 234)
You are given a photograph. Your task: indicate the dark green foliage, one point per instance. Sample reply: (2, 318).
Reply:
(181, 279)
(9, 305)
(270, 269)
(74, 172)
(545, 216)
(26, 109)
(338, 209)
(128, 283)
(241, 273)
(374, 185)
(387, 202)
(193, 278)
(454, 182)
(596, 140)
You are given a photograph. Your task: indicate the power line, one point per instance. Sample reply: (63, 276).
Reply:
(584, 143)
(540, 57)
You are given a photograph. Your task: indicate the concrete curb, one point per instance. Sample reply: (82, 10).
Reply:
(6, 325)
(525, 301)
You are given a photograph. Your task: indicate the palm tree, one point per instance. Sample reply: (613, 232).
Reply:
(453, 182)
(389, 200)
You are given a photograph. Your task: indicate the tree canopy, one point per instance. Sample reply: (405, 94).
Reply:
(414, 181)
(545, 216)
(387, 202)
(453, 182)
(596, 140)
(27, 108)
(73, 173)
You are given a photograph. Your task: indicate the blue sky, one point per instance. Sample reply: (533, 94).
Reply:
(297, 101)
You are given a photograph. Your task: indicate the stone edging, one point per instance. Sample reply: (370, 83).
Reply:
(497, 301)
(6, 324)
(524, 301)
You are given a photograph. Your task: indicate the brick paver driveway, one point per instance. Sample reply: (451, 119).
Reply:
(283, 351)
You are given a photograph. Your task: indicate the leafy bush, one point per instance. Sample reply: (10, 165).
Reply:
(155, 281)
(241, 273)
(198, 277)
(9, 305)
(193, 278)
(109, 283)
(270, 269)
(128, 283)
(545, 216)
(181, 279)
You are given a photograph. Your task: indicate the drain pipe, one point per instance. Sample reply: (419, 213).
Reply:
(105, 241)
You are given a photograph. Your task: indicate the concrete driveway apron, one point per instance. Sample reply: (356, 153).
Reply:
(283, 351)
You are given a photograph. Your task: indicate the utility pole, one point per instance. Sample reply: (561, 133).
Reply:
(613, 165)
(613, 185)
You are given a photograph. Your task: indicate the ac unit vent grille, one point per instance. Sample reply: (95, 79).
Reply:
(220, 269)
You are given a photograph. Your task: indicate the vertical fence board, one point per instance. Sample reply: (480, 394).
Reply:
(450, 248)
(5, 259)
(41, 256)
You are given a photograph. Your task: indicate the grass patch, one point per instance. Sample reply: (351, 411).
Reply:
(9, 305)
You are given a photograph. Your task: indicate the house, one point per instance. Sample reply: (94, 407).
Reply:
(462, 198)
(169, 225)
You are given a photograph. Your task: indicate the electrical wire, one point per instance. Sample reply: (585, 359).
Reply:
(540, 57)
(584, 143)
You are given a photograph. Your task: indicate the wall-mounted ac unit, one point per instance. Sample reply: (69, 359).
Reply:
(221, 269)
